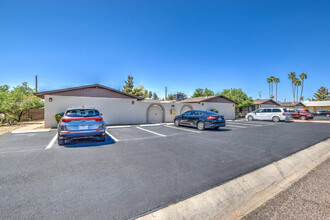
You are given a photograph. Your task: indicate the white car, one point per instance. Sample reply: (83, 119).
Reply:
(274, 114)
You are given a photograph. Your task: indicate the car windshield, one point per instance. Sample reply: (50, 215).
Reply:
(82, 113)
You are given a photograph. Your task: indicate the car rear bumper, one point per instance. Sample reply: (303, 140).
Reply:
(81, 134)
(214, 124)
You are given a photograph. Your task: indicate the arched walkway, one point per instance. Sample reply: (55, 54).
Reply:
(155, 113)
(185, 108)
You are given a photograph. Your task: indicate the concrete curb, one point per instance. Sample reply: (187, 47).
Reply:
(247, 192)
(312, 121)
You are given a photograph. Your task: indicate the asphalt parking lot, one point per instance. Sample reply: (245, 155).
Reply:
(138, 169)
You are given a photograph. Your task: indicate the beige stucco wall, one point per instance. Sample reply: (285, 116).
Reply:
(122, 111)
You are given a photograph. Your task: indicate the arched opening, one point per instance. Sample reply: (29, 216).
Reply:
(155, 113)
(185, 108)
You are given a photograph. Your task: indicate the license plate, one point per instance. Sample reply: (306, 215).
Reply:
(83, 127)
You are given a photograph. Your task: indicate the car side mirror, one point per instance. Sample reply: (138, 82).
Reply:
(61, 115)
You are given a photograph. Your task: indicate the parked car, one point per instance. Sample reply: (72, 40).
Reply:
(305, 110)
(323, 112)
(274, 114)
(200, 119)
(78, 123)
(297, 113)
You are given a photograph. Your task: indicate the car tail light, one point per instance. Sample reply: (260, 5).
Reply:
(98, 119)
(283, 113)
(211, 117)
(66, 119)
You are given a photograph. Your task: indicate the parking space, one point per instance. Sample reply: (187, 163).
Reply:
(155, 165)
(25, 141)
(48, 140)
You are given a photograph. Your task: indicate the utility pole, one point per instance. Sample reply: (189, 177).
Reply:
(165, 92)
(260, 94)
(36, 83)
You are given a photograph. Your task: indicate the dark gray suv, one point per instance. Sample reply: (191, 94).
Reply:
(78, 123)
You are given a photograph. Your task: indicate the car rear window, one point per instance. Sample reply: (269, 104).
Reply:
(82, 113)
(285, 110)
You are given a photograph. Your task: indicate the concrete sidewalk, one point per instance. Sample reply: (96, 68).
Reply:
(308, 198)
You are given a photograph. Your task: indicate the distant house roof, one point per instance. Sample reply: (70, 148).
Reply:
(94, 90)
(216, 98)
(264, 101)
(316, 103)
(291, 104)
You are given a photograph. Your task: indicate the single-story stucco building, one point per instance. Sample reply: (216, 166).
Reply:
(118, 107)
(314, 106)
(292, 105)
(265, 103)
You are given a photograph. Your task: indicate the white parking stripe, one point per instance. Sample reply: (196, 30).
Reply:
(111, 136)
(31, 131)
(235, 126)
(119, 126)
(244, 124)
(149, 125)
(183, 129)
(151, 132)
(51, 143)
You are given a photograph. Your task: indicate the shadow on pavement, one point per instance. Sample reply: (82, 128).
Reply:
(219, 130)
(88, 142)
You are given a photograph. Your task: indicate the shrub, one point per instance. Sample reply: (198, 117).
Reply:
(214, 110)
(58, 117)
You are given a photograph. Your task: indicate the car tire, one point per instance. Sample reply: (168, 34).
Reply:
(60, 141)
(276, 119)
(177, 122)
(250, 118)
(200, 125)
(303, 117)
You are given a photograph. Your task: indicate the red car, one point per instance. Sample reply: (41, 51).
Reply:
(303, 114)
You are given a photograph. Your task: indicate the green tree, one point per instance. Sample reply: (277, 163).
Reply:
(322, 94)
(292, 76)
(171, 96)
(129, 85)
(155, 96)
(239, 96)
(297, 83)
(150, 95)
(203, 92)
(208, 92)
(270, 82)
(19, 100)
(138, 91)
(4, 98)
(145, 94)
(276, 81)
(198, 93)
(302, 76)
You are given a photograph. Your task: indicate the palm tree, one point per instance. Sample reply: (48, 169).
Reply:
(292, 76)
(276, 80)
(302, 76)
(297, 83)
(269, 81)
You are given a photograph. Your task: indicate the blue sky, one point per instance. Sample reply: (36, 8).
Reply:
(179, 44)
